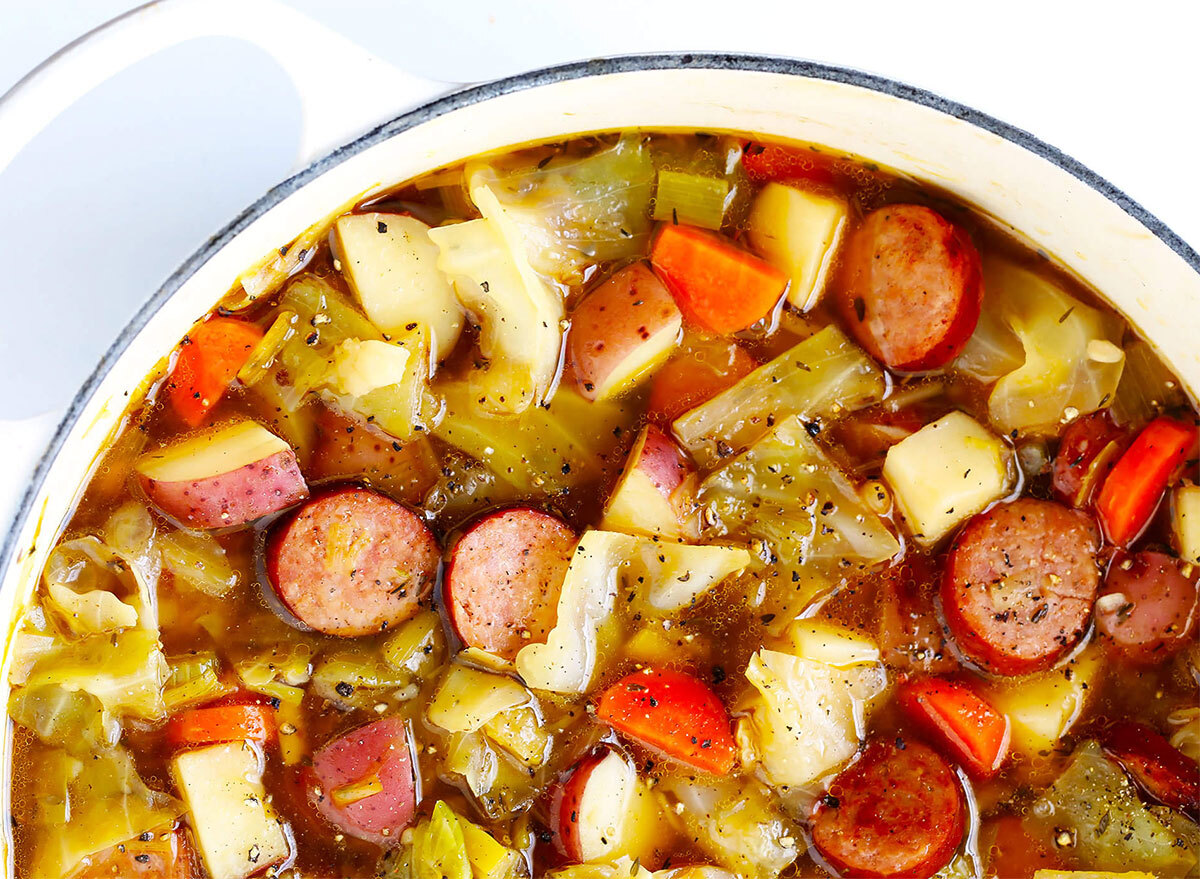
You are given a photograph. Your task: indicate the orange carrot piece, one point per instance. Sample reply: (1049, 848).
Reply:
(1134, 487)
(222, 723)
(717, 285)
(772, 162)
(975, 733)
(209, 358)
(674, 713)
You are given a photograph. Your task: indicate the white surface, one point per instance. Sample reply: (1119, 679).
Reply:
(107, 201)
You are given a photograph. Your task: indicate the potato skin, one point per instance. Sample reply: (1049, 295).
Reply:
(226, 500)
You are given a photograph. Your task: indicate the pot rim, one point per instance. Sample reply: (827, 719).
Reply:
(533, 79)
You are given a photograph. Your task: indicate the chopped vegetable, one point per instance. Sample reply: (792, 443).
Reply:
(974, 732)
(390, 262)
(195, 558)
(699, 371)
(258, 365)
(357, 678)
(73, 720)
(439, 849)
(678, 574)
(691, 199)
(1185, 521)
(786, 491)
(736, 822)
(1095, 807)
(1147, 388)
(236, 830)
(674, 713)
(500, 785)
(718, 286)
(223, 723)
(520, 315)
(193, 678)
(78, 577)
(575, 212)
(418, 646)
(209, 359)
(945, 473)
(356, 790)
(832, 645)
(1035, 338)
(468, 698)
(88, 805)
(800, 232)
(1043, 707)
(770, 162)
(808, 716)
(1133, 489)
(820, 378)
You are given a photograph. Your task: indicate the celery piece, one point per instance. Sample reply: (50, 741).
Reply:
(262, 358)
(1096, 804)
(195, 558)
(193, 678)
(786, 491)
(293, 742)
(820, 378)
(691, 199)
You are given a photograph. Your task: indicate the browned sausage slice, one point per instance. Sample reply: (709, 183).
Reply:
(352, 562)
(1019, 584)
(910, 288)
(505, 575)
(896, 812)
(1148, 608)
(1159, 769)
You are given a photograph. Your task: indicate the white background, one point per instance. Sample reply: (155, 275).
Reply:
(103, 205)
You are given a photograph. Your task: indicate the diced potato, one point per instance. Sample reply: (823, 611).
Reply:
(832, 645)
(1042, 707)
(489, 859)
(467, 698)
(360, 366)
(236, 832)
(799, 232)
(1185, 519)
(390, 263)
(945, 473)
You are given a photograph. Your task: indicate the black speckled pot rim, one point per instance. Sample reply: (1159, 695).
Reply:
(533, 79)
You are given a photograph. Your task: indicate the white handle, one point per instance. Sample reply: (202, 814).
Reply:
(344, 89)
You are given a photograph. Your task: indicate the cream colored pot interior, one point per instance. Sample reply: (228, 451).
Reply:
(1146, 280)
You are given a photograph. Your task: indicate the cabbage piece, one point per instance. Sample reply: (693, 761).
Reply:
(357, 678)
(197, 559)
(819, 378)
(565, 443)
(124, 671)
(1097, 804)
(575, 212)
(91, 804)
(1070, 355)
(567, 661)
(673, 576)
(736, 823)
(69, 719)
(808, 716)
(194, 677)
(467, 698)
(520, 316)
(500, 785)
(786, 491)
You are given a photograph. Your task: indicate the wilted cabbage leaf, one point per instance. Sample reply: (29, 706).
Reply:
(786, 491)
(1046, 350)
(70, 719)
(575, 212)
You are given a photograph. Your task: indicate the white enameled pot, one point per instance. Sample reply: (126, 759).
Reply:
(1145, 270)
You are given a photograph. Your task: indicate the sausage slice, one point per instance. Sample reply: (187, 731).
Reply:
(1019, 583)
(896, 812)
(910, 288)
(1159, 769)
(505, 576)
(1148, 607)
(372, 757)
(352, 562)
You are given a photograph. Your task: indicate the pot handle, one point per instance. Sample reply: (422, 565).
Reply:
(344, 89)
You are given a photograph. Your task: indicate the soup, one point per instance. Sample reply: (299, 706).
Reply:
(648, 504)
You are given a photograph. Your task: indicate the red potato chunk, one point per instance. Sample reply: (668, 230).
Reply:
(621, 331)
(222, 478)
(652, 496)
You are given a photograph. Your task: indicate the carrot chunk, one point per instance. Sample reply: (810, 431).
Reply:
(975, 733)
(717, 285)
(211, 355)
(774, 163)
(674, 713)
(222, 723)
(1134, 487)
